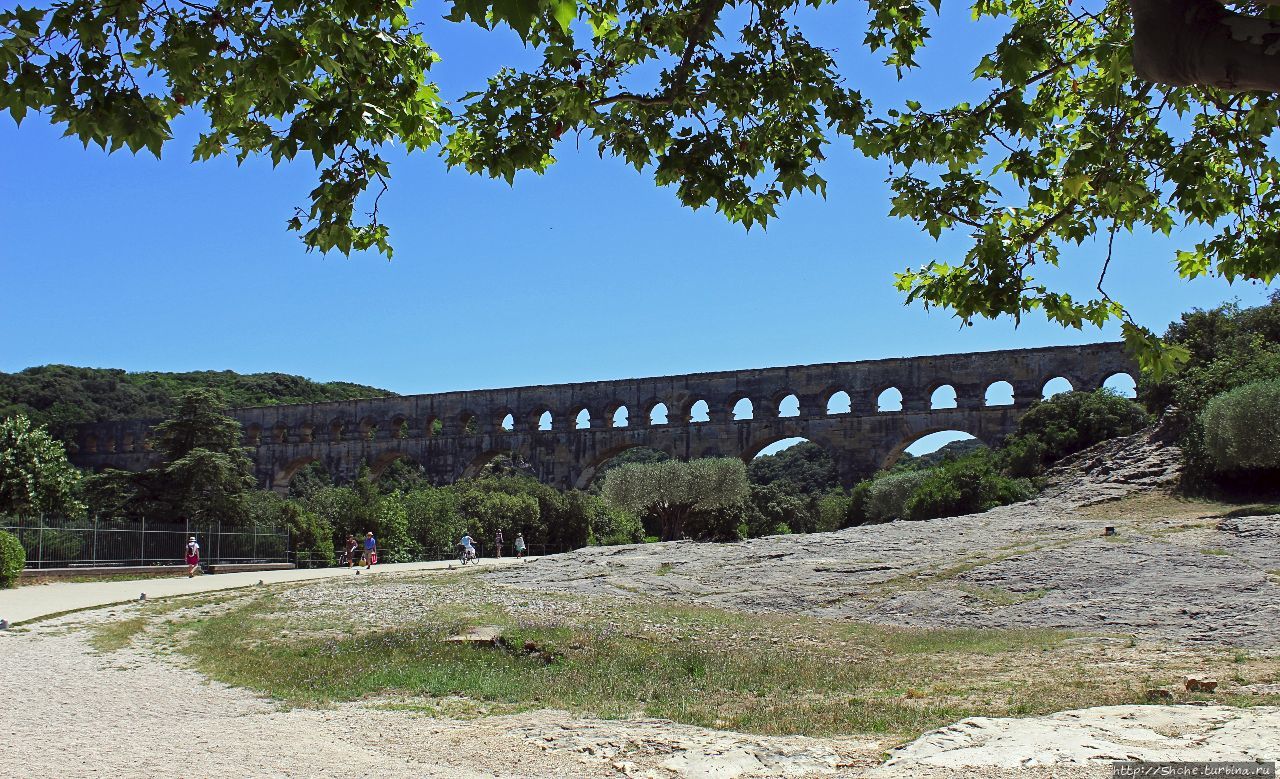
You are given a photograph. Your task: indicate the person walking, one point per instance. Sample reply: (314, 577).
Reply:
(519, 545)
(352, 547)
(370, 551)
(497, 543)
(193, 557)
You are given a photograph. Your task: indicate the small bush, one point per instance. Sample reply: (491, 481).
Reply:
(12, 559)
(966, 486)
(887, 497)
(1242, 427)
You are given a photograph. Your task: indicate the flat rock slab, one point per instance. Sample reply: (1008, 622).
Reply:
(483, 635)
(1093, 736)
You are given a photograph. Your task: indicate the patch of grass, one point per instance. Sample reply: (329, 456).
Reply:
(113, 636)
(1253, 510)
(777, 674)
(999, 596)
(664, 569)
(29, 581)
(1214, 551)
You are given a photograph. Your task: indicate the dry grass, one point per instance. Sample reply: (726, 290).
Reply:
(776, 674)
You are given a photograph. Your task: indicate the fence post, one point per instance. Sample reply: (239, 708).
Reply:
(142, 553)
(95, 539)
(40, 541)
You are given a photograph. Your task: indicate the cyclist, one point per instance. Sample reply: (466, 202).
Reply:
(468, 545)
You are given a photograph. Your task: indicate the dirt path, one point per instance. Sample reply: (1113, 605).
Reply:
(26, 603)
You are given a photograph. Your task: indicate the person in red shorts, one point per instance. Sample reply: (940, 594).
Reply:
(193, 557)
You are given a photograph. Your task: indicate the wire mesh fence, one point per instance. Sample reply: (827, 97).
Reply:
(92, 542)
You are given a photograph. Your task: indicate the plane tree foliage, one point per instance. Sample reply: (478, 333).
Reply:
(1086, 118)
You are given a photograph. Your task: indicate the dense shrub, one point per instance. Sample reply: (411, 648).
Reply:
(1242, 427)
(1067, 423)
(887, 497)
(966, 486)
(1229, 347)
(12, 559)
(856, 512)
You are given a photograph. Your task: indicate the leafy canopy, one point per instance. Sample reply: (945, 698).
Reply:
(35, 477)
(731, 104)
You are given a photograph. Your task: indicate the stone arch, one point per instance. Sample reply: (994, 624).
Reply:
(337, 429)
(504, 420)
(582, 420)
(468, 423)
(886, 398)
(399, 427)
(90, 444)
(543, 420)
(280, 433)
(1054, 385)
(477, 463)
(368, 429)
(253, 435)
(699, 412)
(284, 474)
(999, 391)
(126, 442)
(1122, 383)
(656, 409)
(306, 432)
(943, 396)
(617, 415)
(379, 464)
(782, 403)
(433, 426)
(588, 472)
(838, 402)
(896, 451)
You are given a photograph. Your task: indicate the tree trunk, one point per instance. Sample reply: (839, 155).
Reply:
(1201, 43)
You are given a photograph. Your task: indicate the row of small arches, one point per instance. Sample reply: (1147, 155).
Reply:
(998, 393)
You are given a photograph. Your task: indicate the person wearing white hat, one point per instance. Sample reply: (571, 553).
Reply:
(193, 557)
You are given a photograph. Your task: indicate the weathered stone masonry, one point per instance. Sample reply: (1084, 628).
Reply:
(454, 434)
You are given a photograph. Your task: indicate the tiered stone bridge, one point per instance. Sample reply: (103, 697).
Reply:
(565, 432)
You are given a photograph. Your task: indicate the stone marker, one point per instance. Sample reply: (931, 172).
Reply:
(482, 635)
(1201, 685)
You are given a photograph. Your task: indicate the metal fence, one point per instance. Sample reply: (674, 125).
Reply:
(72, 543)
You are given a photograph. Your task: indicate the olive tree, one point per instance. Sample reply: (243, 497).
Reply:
(671, 491)
(1242, 427)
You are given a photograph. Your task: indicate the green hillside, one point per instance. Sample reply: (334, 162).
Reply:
(62, 395)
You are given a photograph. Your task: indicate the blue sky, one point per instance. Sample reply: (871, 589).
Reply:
(587, 272)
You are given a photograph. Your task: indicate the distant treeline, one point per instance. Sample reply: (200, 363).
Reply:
(59, 396)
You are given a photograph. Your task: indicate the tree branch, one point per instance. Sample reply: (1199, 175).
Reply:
(680, 75)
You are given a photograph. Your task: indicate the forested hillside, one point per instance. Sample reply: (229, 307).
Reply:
(62, 395)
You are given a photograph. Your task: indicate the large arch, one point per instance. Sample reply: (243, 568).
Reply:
(285, 473)
(588, 473)
(383, 461)
(893, 454)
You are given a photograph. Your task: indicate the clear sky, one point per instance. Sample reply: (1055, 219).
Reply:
(587, 272)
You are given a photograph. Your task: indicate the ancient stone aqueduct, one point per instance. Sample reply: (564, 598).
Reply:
(454, 434)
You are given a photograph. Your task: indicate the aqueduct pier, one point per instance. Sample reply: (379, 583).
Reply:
(565, 432)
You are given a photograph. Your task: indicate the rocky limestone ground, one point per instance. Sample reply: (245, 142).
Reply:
(1181, 577)
(1176, 571)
